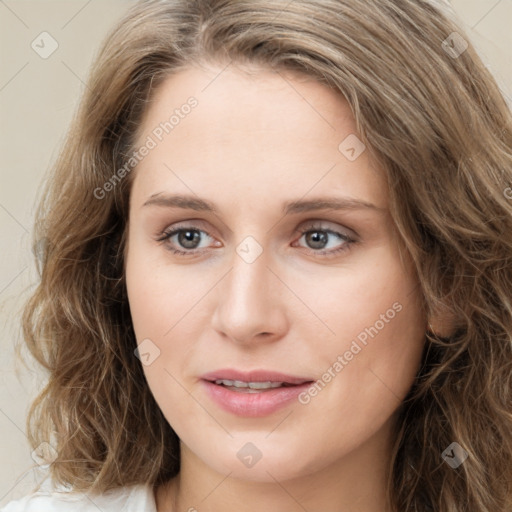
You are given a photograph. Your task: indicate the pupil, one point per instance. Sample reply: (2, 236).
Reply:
(317, 239)
(186, 238)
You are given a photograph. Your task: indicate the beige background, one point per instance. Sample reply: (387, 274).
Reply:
(37, 100)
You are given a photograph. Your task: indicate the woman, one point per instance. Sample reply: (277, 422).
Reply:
(276, 267)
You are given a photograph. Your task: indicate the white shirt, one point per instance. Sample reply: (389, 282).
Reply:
(137, 498)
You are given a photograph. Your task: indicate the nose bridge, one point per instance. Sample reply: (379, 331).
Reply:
(249, 279)
(248, 299)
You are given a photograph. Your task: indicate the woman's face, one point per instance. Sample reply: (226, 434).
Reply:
(287, 270)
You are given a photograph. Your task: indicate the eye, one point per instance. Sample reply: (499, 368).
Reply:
(189, 238)
(325, 241)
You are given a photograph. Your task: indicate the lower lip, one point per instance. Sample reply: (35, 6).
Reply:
(253, 405)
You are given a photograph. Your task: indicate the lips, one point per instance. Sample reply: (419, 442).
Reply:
(253, 394)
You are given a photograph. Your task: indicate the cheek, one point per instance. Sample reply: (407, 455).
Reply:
(156, 307)
(376, 290)
(376, 314)
(163, 301)
(159, 294)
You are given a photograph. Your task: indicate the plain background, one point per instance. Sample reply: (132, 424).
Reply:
(38, 98)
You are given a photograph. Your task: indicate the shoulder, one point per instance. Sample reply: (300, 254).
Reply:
(129, 499)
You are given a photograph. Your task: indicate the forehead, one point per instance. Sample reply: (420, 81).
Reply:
(250, 99)
(260, 130)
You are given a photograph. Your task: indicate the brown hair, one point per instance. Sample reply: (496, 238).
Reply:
(435, 121)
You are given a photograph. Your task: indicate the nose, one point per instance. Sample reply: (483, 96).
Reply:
(250, 304)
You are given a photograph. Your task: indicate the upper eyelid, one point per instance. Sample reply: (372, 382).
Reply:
(312, 223)
(319, 224)
(308, 224)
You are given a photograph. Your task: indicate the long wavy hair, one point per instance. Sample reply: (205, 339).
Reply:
(431, 116)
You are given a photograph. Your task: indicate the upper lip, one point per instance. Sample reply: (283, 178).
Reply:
(254, 376)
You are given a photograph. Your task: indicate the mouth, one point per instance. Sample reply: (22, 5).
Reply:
(253, 394)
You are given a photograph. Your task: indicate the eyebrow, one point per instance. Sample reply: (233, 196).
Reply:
(291, 207)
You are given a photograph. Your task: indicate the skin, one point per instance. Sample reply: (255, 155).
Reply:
(256, 140)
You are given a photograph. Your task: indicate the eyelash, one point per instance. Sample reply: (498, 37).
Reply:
(348, 241)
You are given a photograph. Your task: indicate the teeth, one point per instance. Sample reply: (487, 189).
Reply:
(264, 385)
(250, 385)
